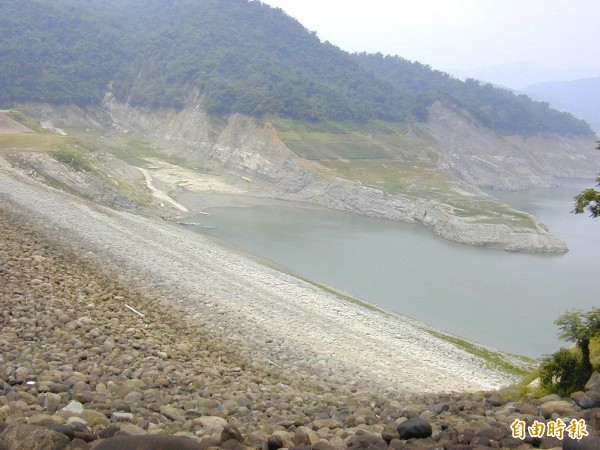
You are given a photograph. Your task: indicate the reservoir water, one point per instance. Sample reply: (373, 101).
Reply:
(504, 300)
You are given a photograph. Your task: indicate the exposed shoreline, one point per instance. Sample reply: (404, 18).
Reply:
(298, 327)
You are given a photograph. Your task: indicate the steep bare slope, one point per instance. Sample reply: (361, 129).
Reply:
(483, 158)
(250, 154)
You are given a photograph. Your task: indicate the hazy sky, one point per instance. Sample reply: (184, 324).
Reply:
(460, 35)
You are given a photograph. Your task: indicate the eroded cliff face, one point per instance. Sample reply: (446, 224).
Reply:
(251, 154)
(485, 159)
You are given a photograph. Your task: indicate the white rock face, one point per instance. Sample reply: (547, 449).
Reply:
(480, 157)
(253, 156)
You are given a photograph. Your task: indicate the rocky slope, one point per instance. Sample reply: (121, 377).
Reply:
(254, 304)
(108, 181)
(482, 158)
(250, 156)
(100, 349)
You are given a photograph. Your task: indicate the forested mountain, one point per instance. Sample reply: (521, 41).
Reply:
(243, 56)
(497, 108)
(56, 53)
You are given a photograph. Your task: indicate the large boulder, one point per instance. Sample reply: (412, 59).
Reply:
(389, 433)
(593, 383)
(492, 433)
(590, 399)
(275, 442)
(31, 437)
(560, 407)
(510, 442)
(149, 443)
(212, 422)
(129, 386)
(366, 441)
(49, 401)
(587, 443)
(414, 429)
(323, 445)
(172, 413)
(326, 423)
(74, 407)
(95, 419)
(231, 433)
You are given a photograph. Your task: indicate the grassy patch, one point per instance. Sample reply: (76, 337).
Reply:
(134, 151)
(17, 161)
(65, 149)
(325, 146)
(26, 120)
(595, 352)
(398, 159)
(487, 211)
(394, 176)
(340, 295)
(494, 359)
(524, 386)
(131, 149)
(73, 158)
(333, 140)
(32, 142)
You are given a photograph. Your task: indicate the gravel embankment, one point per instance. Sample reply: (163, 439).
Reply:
(228, 352)
(257, 310)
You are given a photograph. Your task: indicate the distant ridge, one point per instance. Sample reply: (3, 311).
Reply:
(579, 97)
(518, 75)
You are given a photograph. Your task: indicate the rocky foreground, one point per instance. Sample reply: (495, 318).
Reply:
(90, 357)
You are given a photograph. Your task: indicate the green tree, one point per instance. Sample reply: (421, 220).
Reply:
(558, 372)
(580, 328)
(565, 372)
(589, 199)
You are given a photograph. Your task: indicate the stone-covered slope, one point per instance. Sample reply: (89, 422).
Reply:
(79, 369)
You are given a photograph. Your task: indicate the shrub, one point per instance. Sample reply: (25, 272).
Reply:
(560, 373)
